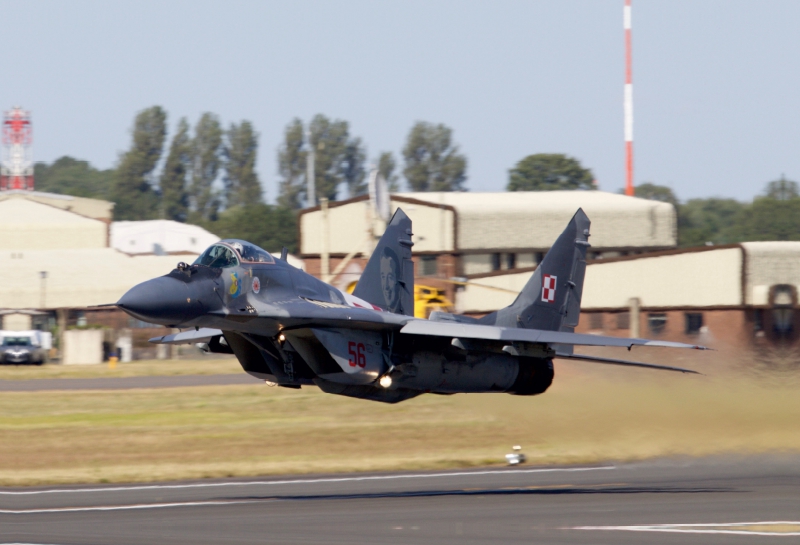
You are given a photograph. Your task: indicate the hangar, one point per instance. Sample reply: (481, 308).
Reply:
(463, 234)
(736, 294)
(56, 262)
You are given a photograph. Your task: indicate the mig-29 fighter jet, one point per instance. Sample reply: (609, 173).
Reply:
(289, 328)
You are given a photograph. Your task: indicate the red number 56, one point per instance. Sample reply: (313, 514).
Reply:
(357, 356)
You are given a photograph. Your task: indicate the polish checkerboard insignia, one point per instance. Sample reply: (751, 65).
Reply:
(548, 288)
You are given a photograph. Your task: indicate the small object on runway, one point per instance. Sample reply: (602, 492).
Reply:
(516, 457)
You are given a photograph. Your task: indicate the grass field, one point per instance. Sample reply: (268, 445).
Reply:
(590, 414)
(206, 366)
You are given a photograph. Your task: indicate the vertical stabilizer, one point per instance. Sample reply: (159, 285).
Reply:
(388, 279)
(551, 300)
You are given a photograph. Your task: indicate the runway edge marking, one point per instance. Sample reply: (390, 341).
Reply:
(301, 481)
(700, 528)
(123, 507)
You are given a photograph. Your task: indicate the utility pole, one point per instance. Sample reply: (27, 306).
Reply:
(43, 276)
(325, 256)
(311, 197)
(628, 104)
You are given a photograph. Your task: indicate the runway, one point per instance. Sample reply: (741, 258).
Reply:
(742, 500)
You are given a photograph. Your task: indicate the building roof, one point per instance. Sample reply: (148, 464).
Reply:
(27, 224)
(534, 219)
(90, 208)
(159, 237)
(502, 221)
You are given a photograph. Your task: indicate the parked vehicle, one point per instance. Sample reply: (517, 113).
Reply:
(21, 349)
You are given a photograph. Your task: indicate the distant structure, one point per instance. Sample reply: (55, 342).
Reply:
(626, 23)
(16, 168)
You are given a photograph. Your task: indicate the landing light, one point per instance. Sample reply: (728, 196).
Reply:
(281, 337)
(385, 381)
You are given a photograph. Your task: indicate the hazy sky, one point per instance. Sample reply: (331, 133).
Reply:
(716, 83)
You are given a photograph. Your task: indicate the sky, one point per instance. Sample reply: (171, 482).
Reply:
(716, 102)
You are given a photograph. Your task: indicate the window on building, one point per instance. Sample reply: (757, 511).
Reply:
(657, 322)
(596, 320)
(511, 261)
(428, 265)
(495, 262)
(694, 322)
(538, 257)
(623, 320)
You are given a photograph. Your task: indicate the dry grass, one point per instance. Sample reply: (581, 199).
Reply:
(590, 414)
(213, 365)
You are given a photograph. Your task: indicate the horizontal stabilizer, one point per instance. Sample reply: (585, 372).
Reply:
(626, 363)
(202, 335)
(511, 334)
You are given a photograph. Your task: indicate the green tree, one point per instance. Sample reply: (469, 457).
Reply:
(174, 195)
(549, 172)
(432, 161)
(206, 149)
(133, 190)
(655, 192)
(386, 166)
(774, 216)
(337, 158)
(291, 166)
(701, 221)
(241, 181)
(270, 227)
(68, 176)
(352, 167)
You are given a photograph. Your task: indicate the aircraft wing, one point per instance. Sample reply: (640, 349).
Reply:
(512, 334)
(202, 335)
(609, 361)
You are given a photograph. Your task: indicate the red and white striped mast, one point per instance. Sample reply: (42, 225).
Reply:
(626, 18)
(16, 163)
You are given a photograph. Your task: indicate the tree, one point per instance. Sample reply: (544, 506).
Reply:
(708, 220)
(133, 189)
(174, 196)
(386, 166)
(338, 159)
(549, 172)
(206, 147)
(432, 162)
(270, 227)
(241, 181)
(352, 170)
(69, 176)
(655, 192)
(291, 166)
(775, 216)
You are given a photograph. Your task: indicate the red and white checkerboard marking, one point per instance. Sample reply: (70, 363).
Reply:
(548, 288)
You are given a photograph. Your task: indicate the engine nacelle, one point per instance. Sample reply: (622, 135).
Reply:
(433, 372)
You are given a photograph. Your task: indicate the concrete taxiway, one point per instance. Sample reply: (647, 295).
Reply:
(720, 500)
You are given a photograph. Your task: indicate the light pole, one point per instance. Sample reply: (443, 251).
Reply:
(43, 290)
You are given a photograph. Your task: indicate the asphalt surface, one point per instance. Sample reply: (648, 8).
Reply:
(690, 501)
(123, 383)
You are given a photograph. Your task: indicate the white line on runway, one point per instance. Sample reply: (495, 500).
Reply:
(706, 528)
(123, 507)
(302, 481)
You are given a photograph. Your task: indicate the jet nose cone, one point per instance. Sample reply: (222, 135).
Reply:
(163, 300)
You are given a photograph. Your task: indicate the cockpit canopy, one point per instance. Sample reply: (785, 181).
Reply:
(229, 252)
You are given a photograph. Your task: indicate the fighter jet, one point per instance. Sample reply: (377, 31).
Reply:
(289, 328)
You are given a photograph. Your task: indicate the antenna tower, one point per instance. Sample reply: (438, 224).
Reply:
(628, 105)
(16, 167)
